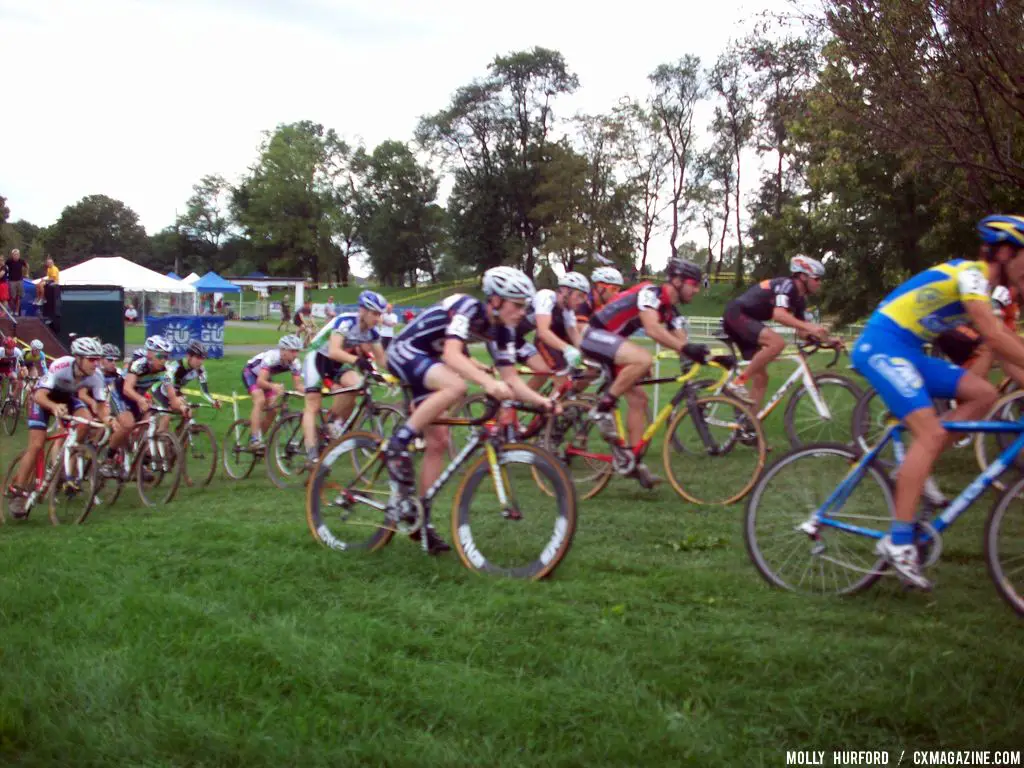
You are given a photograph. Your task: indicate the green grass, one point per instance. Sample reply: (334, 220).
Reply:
(215, 632)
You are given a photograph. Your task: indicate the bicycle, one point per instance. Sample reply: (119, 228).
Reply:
(68, 482)
(824, 391)
(153, 458)
(830, 528)
(533, 529)
(694, 480)
(286, 448)
(1009, 407)
(198, 447)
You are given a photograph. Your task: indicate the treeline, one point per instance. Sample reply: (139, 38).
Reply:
(883, 130)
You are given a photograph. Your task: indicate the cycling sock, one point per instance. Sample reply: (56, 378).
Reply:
(606, 403)
(311, 454)
(400, 440)
(902, 533)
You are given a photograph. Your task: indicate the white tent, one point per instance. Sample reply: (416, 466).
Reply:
(193, 278)
(115, 270)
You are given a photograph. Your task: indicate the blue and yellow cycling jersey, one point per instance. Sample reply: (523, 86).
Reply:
(932, 301)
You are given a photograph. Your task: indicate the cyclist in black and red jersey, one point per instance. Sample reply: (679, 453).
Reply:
(653, 308)
(782, 299)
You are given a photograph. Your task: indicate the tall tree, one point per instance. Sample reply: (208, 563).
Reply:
(96, 225)
(677, 89)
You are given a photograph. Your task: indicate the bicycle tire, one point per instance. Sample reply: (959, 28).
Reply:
(700, 406)
(470, 407)
(999, 412)
(199, 434)
(316, 515)
(824, 381)
(12, 470)
(383, 420)
(81, 493)
(574, 427)
(238, 459)
(869, 575)
(294, 447)
(996, 517)
(167, 466)
(541, 462)
(9, 415)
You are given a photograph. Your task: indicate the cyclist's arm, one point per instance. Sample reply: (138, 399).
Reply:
(455, 357)
(545, 334)
(129, 389)
(657, 332)
(787, 318)
(520, 388)
(85, 397)
(337, 352)
(1007, 346)
(176, 401)
(379, 355)
(42, 398)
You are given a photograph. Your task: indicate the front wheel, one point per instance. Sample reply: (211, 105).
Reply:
(9, 416)
(805, 425)
(158, 469)
(286, 451)
(73, 491)
(200, 456)
(714, 450)
(239, 456)
(504, 524)
(1004, 546)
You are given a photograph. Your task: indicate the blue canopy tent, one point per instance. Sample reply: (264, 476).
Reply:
(173, 276)
(211, 282)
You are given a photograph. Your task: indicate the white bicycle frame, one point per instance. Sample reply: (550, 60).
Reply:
(65, 456)
(802, 371)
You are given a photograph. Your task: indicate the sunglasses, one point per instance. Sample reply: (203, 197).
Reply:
(160, 355)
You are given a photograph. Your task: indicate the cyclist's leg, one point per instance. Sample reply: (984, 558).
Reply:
(636, 414)
(38, 423)
(770, 346)
(342, 406)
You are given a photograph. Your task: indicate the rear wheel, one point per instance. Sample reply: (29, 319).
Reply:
(803, 422)
(570, 437)
(200, 455)
(9, 416)
(239, 458)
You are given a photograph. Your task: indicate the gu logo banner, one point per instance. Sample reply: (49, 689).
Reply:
(182, 330)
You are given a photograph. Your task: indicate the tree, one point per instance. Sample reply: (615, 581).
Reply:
(96, 225)
(677, 89)
(286, 204)
(732, 125)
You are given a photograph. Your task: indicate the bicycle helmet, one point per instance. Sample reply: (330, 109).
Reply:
(158, 344)
(508, 283)
(373, 301)
(574, 280)
(291, 341)
(86, 346)
(684, 269)
(807, 266)
(111, 352)
(37, 345)
(996, 230)
(196, 348)
(608, 276)
(9, 343)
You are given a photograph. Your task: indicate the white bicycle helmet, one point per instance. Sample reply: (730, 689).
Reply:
(574, 280)
(291, 341)
(508, 283)
(608, 276)
(159, 344)
(36, 345)
(87, 347)
(806, 265)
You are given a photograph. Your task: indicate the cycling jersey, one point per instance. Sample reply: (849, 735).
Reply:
(932, 301)
(347, 325)
(760, 301)
(179, 373)
(10, 361)
(61, 379)
(545, 302)
(621, 316)
(419, 345)
(271, 362)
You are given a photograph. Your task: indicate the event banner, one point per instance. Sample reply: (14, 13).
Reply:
(182, 329)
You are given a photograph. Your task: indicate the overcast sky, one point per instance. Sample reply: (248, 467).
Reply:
(136, 99)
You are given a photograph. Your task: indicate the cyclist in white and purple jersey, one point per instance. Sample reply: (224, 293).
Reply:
(265, 394)
(338, 345)
(430, 357)
(552, 315)
(56, 394)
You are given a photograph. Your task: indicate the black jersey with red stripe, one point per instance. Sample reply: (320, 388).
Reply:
(622, 314)
(759, 301)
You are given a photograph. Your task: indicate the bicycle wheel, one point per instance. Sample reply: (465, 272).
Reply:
(1004, 546)
(73, 491)
(200, 456)
(239, 459)
(804, 424)
(988, 445)
(347, 495)
(788, 494)
(382, 420)
(158, 469)
(471, 407)
(12, 470)
(10, 416)
(570, 437)
(286, 452)
(517, 531)
(108, 489)
(723, 450)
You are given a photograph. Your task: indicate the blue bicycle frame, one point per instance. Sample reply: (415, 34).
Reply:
(967, 497)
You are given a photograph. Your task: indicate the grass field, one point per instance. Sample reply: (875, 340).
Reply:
(215, 632)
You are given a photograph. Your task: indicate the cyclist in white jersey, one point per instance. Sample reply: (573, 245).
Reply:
(337, 346)
(265, 394)
(55, 395)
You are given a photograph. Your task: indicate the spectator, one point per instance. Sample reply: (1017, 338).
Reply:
(286, 313)
(130, 314)
(16, 271)
(5, 294)
(52, 273)
(386, 329)
(331, 309)
(409, 315)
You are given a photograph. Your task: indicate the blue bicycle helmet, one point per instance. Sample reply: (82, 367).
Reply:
(373, 301)
(996, 230)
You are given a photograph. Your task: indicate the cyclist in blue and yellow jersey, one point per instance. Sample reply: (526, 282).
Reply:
(891, 357)
(35, 359)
